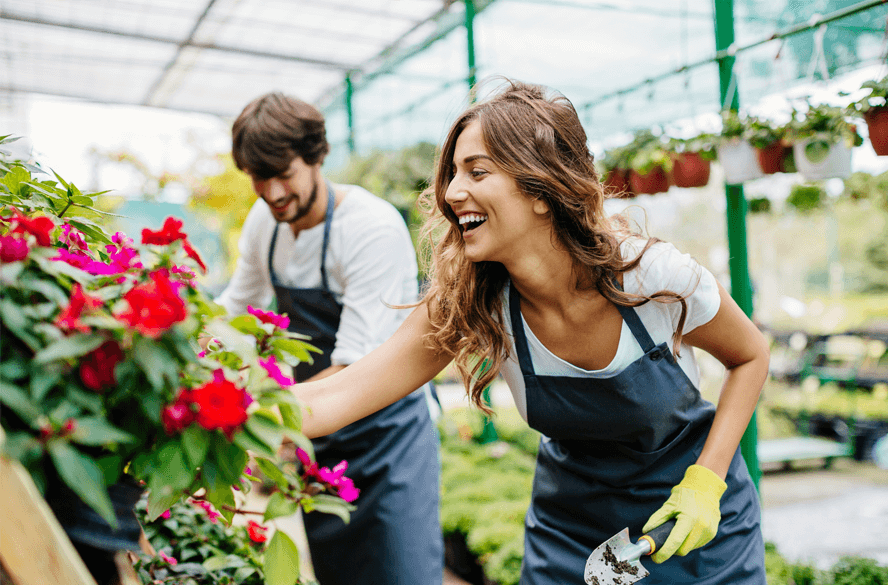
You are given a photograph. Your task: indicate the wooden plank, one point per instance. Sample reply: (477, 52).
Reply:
(33, 546)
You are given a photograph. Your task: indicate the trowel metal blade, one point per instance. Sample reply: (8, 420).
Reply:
(606, 567)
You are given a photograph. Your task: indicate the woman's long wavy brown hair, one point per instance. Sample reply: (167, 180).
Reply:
(539, 141)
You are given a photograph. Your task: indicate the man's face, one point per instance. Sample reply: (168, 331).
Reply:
(292, 194)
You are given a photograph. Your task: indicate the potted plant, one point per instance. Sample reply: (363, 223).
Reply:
(691, 161)
(822, 141)
(736, 155)
(770, 144)
(874, 110)
(650, 164)
(615, 172)
(104, 391)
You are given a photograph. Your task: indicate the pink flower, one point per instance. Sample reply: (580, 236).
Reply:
(72, 238)
(76, 258)
(208, 508)
(178, 416)
(79, 302)
(347, 490)
(332, 476)
(166, 515)
(221, 404)
(203, 353)
(281, 321)
(274, 372)
(13, 249)
(311, 467)
(167, 559)
(97, 367)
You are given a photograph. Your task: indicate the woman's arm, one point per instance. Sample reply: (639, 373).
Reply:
(393, 370)
(734, 340)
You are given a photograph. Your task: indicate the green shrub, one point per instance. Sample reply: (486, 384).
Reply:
(854, 570)
(806, 197)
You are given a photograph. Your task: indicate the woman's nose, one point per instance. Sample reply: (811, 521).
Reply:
(455, 193)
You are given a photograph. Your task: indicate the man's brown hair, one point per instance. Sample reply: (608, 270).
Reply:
(273, 130)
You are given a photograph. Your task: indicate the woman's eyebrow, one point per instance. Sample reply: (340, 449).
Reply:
(475, 157)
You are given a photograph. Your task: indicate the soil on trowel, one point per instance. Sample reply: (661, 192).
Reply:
(593, 580)
(618, 566)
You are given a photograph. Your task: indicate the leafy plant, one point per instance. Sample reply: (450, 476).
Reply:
(826, 125)
(762, 133)
(759, 205)
(877, 97)
(649, 152)
(704, 144)
(100, 375)
(855, 570)
(806, 197)
(733, 125)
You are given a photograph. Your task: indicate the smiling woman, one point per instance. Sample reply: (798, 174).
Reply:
(593, 328)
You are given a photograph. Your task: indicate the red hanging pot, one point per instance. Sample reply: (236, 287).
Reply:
(616, 184)
(771, 158)
(654, 181)
(689, 169)
(877, 123)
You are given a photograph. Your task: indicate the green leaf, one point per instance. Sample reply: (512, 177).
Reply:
(233, 340)
(278, 506)
(159, 503)
(98, 431)
(249, 442)
(196, 444)
(17, 399)
(295, 347)
(69, 347)
(13, 370)
(281, 565)
(292, 416)
(218, 491)
(222, 562)
(156, 362)
(84, 477)
(247, 324)
(330, 505)
(172, 469)
(42, 381)
(51, 290)
(271, 471)
(230, 459)
(266, 429)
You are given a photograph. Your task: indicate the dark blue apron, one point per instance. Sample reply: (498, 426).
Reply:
(394, 536)
(612, 450)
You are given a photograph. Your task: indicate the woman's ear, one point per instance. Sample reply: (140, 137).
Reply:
(540, 207)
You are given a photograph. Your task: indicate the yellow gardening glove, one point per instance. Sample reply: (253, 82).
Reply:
(694, 505)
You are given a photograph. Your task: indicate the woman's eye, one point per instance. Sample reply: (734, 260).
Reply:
(476, 173)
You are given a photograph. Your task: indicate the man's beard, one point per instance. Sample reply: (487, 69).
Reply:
(303, 210)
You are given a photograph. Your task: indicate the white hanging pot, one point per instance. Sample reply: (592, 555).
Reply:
(822, 157)
(739, 161)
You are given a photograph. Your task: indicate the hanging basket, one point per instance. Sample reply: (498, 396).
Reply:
(771, 158)
(654, 181)
(689, 169)
(616, 184)
(821, 157)
(739, 160)
(877, 123)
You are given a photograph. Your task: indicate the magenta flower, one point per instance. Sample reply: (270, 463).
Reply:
(13, 249)
(208, 508)
(167, 559)
(73, 238)
(281, 321)
(347, 490)
(166, 515)
(311, 467)
(274, 372)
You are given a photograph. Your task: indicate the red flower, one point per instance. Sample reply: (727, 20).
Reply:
(39, 227)
(192, 253)
(69, 318)
(171, 231)
(256, 531)
(178, 416)
(153, 306)
(13, 249)
(97, 368)
(221, 404)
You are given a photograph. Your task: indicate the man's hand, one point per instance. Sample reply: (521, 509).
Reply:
(694, 504)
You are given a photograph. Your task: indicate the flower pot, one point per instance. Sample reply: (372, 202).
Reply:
(820, 157)
(94, 538)
(771, 158)
(654, 181)
(739, 160)
(877, 123)
(689, 169)
(616, 184)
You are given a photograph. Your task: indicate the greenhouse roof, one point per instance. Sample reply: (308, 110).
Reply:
(625, 64)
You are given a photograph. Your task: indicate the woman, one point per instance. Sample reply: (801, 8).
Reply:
(592, 327)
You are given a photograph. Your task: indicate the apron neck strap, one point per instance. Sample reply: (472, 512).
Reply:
(630, 316)
(328, 220)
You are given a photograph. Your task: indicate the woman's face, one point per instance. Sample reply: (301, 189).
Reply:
(495, 216)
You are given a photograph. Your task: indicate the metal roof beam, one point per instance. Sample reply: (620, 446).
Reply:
(325, 63)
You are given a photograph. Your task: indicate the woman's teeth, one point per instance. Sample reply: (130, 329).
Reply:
(471, 220)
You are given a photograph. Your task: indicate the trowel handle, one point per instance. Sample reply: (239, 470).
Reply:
(657, 537)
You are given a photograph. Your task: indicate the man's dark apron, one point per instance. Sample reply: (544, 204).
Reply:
(612, 450)
(394, 536)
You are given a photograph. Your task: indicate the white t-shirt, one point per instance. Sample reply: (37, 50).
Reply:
(370, 263)
(662, 267)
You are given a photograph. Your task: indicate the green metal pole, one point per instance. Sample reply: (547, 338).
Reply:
(470, 52)
(741, 290)
(349, 112)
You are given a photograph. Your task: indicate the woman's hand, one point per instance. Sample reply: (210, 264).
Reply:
(694, 504)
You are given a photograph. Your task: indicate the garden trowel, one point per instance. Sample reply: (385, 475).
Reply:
(616, 561)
